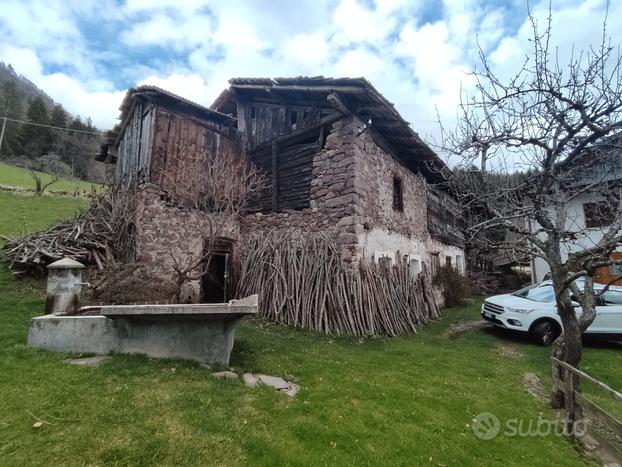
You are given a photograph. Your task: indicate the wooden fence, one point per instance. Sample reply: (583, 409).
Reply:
(601, 425)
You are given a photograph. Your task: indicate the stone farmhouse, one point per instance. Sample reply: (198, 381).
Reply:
(337, 156)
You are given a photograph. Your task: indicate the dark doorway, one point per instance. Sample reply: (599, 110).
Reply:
(216, 283)
(214, 279)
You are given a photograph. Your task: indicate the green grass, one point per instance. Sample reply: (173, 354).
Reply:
(401, 401)
(19, 177)
(21, 213)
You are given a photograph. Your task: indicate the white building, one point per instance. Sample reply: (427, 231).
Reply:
(589, 215)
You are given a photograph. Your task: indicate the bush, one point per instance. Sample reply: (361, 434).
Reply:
(456, 288)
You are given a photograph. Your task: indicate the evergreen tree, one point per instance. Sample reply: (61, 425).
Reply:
(11, 106)
(58, 118)
(77, 152)
(36, 139)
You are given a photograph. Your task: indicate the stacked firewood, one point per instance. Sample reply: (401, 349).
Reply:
(97, 236)
(303, 282)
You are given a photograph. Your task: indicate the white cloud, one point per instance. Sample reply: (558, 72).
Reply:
(190, 86)
(92, 98)
(312, 49)
(418, 63)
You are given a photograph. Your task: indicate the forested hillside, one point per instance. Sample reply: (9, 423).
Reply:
(53, 140)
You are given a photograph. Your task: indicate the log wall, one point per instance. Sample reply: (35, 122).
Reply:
(263, 122)
(178, 143)
(135, 148)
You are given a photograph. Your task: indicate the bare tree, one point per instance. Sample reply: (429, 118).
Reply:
(214, 188)
(52, 165)
(552, 131)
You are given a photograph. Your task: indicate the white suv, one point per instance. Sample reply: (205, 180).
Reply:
(533, 310)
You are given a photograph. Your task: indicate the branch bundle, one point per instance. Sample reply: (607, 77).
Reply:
(303, 282)
(99, 235)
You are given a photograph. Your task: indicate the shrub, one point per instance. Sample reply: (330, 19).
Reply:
(455, 287)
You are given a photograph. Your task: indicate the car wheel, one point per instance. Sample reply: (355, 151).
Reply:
(545, 333)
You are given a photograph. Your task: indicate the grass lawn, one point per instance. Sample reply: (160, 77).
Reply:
(11, 175)
(21, 213)
(400, 401)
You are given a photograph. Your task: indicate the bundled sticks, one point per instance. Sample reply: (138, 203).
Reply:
(101, 234)
(303, 282)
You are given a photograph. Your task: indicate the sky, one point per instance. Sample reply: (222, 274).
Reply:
(418, 53)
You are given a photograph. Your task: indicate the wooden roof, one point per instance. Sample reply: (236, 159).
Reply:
(361, 98)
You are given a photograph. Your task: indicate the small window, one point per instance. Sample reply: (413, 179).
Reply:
(598, 214)
(398, 195)
(293, 118)
(385, 261)
(459, 265)
(414, 268)
(435, 263)
(448, 261)
(253, 112)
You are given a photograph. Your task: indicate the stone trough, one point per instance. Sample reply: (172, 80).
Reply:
(200, 332)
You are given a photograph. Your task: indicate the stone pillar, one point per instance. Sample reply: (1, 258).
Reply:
(63, 288)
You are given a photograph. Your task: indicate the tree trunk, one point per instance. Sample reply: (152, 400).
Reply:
(567, 348)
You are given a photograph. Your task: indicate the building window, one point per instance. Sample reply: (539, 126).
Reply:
(448, 261)
(435, 263)
(600, 214)
(414, 268)
(459, 265)
(398, 195)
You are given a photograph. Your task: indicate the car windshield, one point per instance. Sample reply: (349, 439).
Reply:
(537, 293)
(612, 297)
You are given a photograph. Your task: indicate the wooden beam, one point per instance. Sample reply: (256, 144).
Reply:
(275, 175)
(295, 87)
(301, 134)
(369, 107)
(387, 123)
(272, 99)
(335, 101)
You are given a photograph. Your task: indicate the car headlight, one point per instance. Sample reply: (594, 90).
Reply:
(522, 311)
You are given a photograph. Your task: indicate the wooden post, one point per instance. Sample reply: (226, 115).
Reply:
(275, 175)
(320, 140)
(569, 401)
(2, 132)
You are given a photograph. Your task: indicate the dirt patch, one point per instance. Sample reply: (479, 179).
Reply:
(509, 351)
(122, 284)
(456, 329)
(533, 385)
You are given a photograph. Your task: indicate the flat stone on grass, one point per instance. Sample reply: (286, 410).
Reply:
(292, 390)
(89, 361)
(274, 382)
(250, 380)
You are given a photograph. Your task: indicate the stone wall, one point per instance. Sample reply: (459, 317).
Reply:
(375, 171)
(166, 234)
(352, 200)
(334, 196)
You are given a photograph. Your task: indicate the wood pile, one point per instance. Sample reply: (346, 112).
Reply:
(304, 283)
(485, 282)
(99, 235)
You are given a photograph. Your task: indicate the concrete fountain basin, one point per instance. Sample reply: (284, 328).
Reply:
(201, 332)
